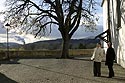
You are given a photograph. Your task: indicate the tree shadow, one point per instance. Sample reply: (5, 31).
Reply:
(5, 79)
(83, 58)
(10, 61)
(118, 78)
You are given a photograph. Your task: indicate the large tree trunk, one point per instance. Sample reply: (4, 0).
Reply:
(65, 48)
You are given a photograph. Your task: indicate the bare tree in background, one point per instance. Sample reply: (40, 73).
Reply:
(38, 17)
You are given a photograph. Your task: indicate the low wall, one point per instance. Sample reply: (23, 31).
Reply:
(45, 53)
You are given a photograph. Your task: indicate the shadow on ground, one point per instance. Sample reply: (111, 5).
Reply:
(15, 60)
(11, 61)
(121, 79)
(5, 79)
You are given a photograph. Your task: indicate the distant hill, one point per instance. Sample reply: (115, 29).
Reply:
(11, 45)
(85, 43)
(57, 44)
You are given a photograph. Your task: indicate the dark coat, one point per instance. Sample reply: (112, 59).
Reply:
(110, 56)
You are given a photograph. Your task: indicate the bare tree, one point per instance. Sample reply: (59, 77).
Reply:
(38, 17)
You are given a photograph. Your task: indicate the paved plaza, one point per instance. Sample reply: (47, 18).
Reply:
(78, 70)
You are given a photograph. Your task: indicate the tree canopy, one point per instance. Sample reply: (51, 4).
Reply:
(38, 16)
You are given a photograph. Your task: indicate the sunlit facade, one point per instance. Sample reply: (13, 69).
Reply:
(116, 20)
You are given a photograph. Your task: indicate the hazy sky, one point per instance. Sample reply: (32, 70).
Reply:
(80, 33)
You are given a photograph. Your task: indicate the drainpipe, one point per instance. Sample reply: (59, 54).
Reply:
(108, 33)
(118, 15)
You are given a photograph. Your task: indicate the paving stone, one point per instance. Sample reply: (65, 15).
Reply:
(78, 70)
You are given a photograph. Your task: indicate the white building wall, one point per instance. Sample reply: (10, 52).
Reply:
(117, 35)
(105, 19)
(121, 39)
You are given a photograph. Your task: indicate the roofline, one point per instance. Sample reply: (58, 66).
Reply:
(102, 3)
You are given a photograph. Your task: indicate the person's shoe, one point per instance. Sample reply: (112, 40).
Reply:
(99, 75)
(95, 75)
(113, 75)
(109, 77)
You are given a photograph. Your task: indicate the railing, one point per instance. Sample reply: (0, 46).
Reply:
(45, 53)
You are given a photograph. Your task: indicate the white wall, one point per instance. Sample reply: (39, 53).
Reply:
(105, 19)
(121, 39)
(118, 35)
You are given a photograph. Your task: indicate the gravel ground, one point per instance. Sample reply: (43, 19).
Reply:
(77, 70)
